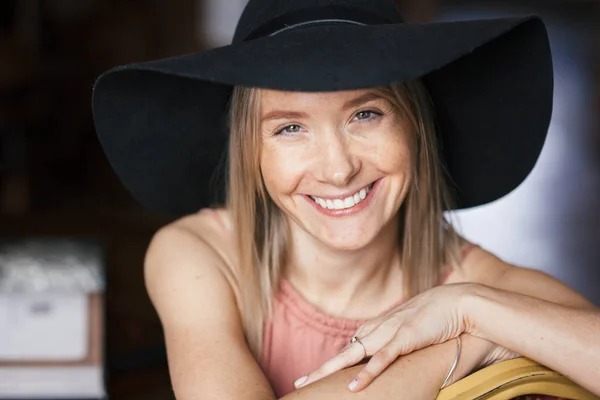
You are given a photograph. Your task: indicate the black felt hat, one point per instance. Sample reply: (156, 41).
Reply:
(163, 125)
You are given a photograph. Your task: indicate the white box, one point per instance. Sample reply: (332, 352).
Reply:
(43, 327)
(78, 382)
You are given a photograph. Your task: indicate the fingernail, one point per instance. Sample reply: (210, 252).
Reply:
(300, 381)
(353, 385)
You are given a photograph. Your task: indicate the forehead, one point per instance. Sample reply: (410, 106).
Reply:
(274, 99)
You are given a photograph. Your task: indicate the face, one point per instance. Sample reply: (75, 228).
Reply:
(337, 164)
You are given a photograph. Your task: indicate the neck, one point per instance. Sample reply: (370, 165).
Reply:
(358, 284)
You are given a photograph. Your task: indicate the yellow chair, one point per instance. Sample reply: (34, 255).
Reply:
(513, 378)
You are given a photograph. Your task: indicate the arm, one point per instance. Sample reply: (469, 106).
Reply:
(207, 352)
(415, 376)
(537, 316)
(561, 337)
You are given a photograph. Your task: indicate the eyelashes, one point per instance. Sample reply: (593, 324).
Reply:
(288, 130)
(361, 117)
(367, 115)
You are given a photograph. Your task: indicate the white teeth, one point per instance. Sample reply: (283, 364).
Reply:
(339, 204)
(349, 202)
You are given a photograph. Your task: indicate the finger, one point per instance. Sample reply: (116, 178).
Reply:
(401, 344)
(369, 327)
(351, 355)
(376, 365)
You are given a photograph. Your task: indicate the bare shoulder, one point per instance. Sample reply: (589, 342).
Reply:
(483, 267)
(192, 246)
(186, 273)
(479, 265)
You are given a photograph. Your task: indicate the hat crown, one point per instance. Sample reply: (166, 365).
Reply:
(257, 13)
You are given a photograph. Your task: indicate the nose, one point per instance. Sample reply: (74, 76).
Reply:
(338, 164)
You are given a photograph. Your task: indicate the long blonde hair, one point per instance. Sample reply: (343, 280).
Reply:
(427, 241)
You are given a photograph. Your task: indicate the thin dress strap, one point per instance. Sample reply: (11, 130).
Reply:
(464, 253)
(218, 218)
(467, 249)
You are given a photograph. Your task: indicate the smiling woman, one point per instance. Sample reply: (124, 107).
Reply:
(331, 267)
(332, 154)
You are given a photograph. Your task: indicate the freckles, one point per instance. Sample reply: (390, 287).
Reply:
(268, 165)
(280, 173)
(393, 155)
(390, 150)
(403, 148)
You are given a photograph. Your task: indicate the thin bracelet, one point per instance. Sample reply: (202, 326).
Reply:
(458, 347)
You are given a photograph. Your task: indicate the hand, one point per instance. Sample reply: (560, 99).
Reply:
(432, 317)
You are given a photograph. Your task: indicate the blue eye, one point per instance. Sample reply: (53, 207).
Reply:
(289, 130)
(367, 115)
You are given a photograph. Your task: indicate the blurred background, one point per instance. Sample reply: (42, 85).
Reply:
(59, 197)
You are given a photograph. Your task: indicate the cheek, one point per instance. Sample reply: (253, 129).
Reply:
(393, 153)
(280, 173)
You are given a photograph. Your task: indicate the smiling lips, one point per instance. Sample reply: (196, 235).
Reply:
(345, 203)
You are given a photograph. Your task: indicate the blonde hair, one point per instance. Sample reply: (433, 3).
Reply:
(428, 242)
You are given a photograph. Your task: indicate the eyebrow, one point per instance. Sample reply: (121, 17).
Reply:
(286, 114)
(360, 100)
(279, 114)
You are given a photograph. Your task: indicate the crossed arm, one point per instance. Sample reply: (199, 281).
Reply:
(565, 338)
(208, 356)
(513, 308)
(535, 328)
(417, 375)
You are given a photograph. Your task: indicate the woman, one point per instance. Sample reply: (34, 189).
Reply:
(331, 271)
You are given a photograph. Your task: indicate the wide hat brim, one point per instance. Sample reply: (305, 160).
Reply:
(163, 125)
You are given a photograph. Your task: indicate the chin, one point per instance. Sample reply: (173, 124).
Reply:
(348, 243)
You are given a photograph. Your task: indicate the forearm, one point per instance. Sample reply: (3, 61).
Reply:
(418, 375)
(565, 339)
